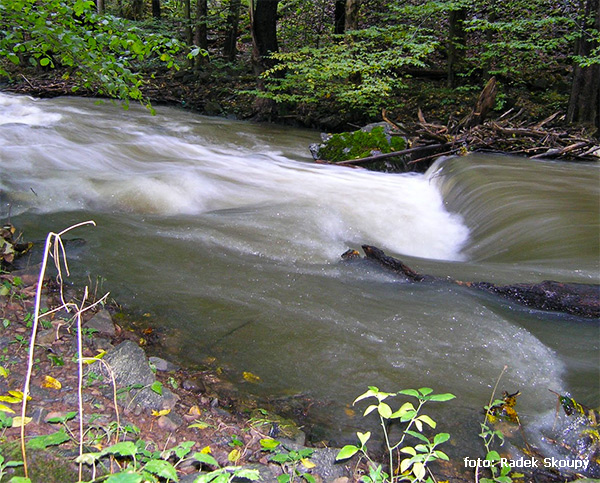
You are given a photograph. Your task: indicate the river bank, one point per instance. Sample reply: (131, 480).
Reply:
(169, 411)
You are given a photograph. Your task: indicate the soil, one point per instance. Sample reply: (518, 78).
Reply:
(209, 419)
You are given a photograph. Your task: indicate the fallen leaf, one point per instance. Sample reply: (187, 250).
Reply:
(194, 410)
(252, 378)
(162, 412)
(51, 383)
(6, 409)
(18, 421)
(206, 450)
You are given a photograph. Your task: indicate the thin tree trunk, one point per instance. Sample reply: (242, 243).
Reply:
(339, 17)
(584, 102)
(233, 20)
(201, 32)
(264, 32)
(187, 18)
(456, 42)
(100, 7)
(352, 8)
(155, 9)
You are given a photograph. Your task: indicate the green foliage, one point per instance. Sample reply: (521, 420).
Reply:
(100, 53)
(360, 72)
(289, 460)
(412, 460)
(360, 144)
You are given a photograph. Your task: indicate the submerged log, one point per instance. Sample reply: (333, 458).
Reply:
(580, 299)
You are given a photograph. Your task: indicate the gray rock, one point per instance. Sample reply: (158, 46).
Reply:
(102, 323)
(162, 365)
(131, 369)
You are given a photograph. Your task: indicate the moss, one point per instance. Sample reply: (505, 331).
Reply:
(360, 144)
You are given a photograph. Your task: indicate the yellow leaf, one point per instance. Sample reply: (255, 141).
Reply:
(18, 395)
(234, 455)
(18, 421)
(206, 450)
(308, 464)
(162, 412)
(51, 383)
(96, 358)
(199, 425)
(6, 409)
(3, 372)
(253, 378)
(194, 410)
(11, 399)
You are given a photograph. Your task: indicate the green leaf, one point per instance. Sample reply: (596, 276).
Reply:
(157, 387)
(19, 479)
(440, 438)
(441, 455)
(125, 448)
(183, 449)
(269, 444)
(161, 468)
(347, 452)
(206, 459)
(418, 436)
(63, 419)
(409, 392)
(252, 475)
(442, 397)
(363, 437)
(43, 442)
(492, 456)
(419, 470)
(125, 478)
(425, 391)
(384, 410)
(427, 420)
(309, 478)
(370, 409)
(285, 478)
(408, 450)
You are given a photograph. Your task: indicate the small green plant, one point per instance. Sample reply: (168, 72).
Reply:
(7, 464)
(499, 471)
(289, 460)
(405, 462)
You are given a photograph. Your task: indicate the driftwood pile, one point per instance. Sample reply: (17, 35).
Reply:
(579, 299)
(509, 134)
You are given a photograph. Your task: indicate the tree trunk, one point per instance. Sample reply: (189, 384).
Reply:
(352, 8)
(584, 103)
(339, 17)
(187, 18)
(156, 9)
(263, 19)
(201, 32)
(456, 42)
(100, 7)
(233, 20)
(264, 33)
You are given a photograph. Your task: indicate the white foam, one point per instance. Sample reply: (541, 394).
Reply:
(22, 110)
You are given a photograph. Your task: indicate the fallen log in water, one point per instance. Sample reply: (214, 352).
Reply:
(580, 299)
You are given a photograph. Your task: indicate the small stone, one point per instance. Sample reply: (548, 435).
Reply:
(102, 323)
(194, 384)
(170, 422)
(162, 365)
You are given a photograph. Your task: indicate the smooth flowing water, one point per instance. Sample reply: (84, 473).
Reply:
(230, 235)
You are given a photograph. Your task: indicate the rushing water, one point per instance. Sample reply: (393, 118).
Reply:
(231, 237)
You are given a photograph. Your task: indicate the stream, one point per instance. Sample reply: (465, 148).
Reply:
(230, 236)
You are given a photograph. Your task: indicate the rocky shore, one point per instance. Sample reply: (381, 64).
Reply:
(164, 409)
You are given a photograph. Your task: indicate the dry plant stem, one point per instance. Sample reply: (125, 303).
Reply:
(36, 316)
(80, 380)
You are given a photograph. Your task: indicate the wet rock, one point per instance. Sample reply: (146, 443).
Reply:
(102, 323)
(194, 384)
(162, 365)
(131, 369)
